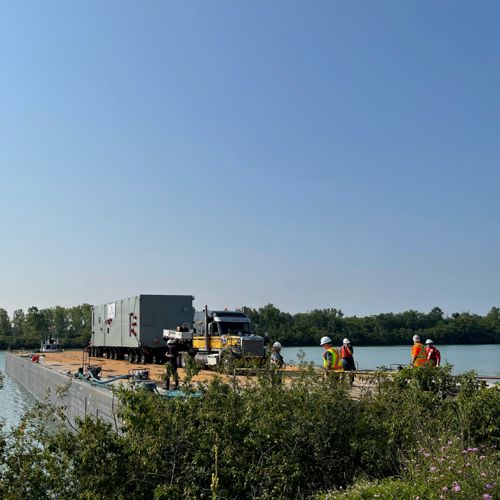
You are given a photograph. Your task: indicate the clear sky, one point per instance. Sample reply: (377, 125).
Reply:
(308, 154)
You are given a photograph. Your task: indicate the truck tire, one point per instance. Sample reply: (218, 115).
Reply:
(142, 357)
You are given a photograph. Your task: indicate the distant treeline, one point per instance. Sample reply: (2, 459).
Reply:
(306, 329)
(71, 325)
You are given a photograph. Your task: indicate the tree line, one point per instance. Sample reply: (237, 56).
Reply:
(72, 326)
(306, 329)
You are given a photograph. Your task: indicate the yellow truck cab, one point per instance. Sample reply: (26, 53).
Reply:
(216, 335)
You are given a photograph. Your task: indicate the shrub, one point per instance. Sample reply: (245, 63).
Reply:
(268, 439)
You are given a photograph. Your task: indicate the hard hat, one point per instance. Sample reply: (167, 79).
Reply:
(277, 345)
(170, 342)
(416, 338)
(429, 341)
(325, 340)
(346, 341)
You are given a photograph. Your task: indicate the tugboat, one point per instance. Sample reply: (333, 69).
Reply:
(51, 345)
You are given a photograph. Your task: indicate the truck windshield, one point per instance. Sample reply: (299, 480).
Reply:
(228, 328)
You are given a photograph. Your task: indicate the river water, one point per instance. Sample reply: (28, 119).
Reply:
(14, 399)
(484, 359)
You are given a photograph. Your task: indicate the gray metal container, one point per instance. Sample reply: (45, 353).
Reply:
(139, 321)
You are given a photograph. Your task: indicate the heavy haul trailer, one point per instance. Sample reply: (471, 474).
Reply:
(133, 327)
(216, 337)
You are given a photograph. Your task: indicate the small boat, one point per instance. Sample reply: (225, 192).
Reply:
(51, 345)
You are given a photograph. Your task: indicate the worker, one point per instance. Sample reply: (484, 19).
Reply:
(432, 353)
(171, 365)
(346, 353)
(347, 357)
(276, 360)
(418, 355)
(331, 356)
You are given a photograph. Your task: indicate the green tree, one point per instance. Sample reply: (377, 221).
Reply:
(36, 324)
(5, 324)
(18, 322)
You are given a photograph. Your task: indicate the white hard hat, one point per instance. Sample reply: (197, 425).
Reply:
(277, 345)
(416, 338)
(429, 341)
(346, 341)
(325, 340)
(170, 342)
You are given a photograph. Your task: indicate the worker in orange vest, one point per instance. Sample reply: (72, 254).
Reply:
(346, 353)
(418, 355)
(433, 354)
(331, 356)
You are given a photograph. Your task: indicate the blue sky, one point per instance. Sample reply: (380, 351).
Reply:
(307, 154)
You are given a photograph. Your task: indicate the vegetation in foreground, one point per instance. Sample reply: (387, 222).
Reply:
(72, 325)
(424, 434)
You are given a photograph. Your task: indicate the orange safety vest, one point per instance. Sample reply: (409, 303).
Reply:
(335, 363)
(345, 352)
(418, 354)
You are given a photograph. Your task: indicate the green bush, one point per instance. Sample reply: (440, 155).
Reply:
(445, 469)
(268, 439)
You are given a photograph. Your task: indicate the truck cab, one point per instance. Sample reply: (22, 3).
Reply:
(219, 334)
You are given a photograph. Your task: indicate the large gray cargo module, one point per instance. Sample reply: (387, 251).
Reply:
(134, 326)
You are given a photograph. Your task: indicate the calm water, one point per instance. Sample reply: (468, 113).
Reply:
(14, 399)
(484, 359)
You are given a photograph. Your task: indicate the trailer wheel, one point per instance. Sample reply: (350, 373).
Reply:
(132, 356)
(142, 357)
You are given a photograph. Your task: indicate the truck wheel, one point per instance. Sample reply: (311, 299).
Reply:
(142, 358)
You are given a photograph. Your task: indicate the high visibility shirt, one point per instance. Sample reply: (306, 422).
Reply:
(418, 355)
(345, 352)
(433, 356)
(331, 360)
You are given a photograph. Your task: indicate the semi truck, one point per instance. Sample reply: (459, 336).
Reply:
(217, 337)
(137, 328)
